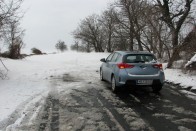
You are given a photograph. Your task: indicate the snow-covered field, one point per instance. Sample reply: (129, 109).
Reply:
(28, 80)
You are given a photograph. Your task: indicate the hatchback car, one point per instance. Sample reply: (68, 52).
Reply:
(132, 69)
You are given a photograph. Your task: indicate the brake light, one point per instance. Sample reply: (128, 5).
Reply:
(124, 66)
(159, 66)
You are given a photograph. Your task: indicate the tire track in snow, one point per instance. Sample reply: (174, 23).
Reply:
(163, 111)
(113, 114)
(50, 114)
(110, 110)
(24, 118)
(93, 103)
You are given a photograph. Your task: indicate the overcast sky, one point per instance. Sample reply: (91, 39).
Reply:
(47, 21)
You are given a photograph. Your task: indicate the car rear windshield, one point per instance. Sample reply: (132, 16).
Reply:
(139, 58)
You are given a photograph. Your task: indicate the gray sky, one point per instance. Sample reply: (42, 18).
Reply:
(47, 21)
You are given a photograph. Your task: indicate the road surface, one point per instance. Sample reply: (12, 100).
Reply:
(90, 105)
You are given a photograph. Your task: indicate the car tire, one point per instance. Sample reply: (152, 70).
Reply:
(101, 75)
(156, 88)
(113, 85)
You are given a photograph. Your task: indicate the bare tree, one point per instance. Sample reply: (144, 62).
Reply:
(126, 20)
(75, 46)
(174, 14)
(156, 33)
(9, 11)
(89, 31)
(108, 20)
(10, 31)
(189, 44)
(81, 47)
(13, 36)
(61, 46)
(153, 26)
(132, 21)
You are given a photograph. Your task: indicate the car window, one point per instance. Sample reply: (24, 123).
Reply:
(148, 58)
(109, 57)
(119, 58)
(130, 59)
(135, 58)
(114, 58)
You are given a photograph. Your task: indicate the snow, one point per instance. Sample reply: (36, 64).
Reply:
(25, 111)
(30, 77)
(185, 80)
(181, 128)
(193, 59)
(178, 77)
(29, 80)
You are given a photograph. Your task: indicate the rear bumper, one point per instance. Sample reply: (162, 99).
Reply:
(131, 80)
(155, 82)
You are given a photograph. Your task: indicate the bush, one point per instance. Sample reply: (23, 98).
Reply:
(5, 54)
(36, 51)
(61, 46)
(14, 51)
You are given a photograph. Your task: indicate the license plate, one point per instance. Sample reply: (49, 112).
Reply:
(144, 82)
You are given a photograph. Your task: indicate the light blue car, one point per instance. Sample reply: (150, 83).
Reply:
(132, 69)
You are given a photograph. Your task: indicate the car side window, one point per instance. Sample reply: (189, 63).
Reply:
(109, 57)
(119, 58)
(114, 58)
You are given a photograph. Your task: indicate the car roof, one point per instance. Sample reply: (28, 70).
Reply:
(133, 52)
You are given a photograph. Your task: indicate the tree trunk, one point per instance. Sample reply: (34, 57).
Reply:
(88, 48)
(109, 43)
(174, 38)
(174, 57)
(131, 45)
(139, 43)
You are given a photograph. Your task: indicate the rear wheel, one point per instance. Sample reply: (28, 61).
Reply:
(101, 75)
(113, 85)
(156, 88)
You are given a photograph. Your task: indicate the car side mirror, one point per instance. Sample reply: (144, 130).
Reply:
(103, 60)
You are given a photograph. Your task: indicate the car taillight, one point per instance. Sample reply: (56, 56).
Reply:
(124, 66)
(159, 66)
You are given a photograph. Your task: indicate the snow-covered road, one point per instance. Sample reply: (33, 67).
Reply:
(90, 105)
(63, 92)
(29, 77)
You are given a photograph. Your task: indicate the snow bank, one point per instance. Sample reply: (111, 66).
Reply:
(193, 59)
(176, 76)
(185, 80)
